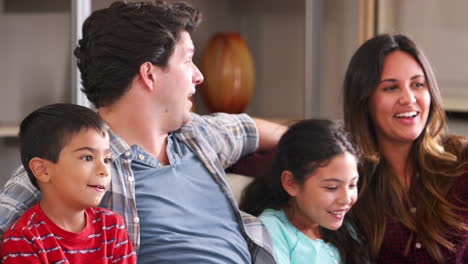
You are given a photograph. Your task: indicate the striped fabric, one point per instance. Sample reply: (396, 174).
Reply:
(34, 238)
(218, 141)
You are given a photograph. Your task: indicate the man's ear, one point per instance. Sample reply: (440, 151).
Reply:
(147, 75)
(39, 168)
(289, 183)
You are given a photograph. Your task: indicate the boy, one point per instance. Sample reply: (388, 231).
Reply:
(65, 151)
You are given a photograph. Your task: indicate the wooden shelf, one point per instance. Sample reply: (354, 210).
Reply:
(9, 131)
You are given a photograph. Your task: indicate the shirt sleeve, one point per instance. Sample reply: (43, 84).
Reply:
(17, 248)
(279, 237)
(231, 136)
(16, 197)
(123, 250)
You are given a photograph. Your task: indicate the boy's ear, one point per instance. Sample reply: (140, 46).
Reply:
(147, 75)
(289, 184)
(38, 166)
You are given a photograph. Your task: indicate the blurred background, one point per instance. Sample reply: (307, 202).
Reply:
(300, 50)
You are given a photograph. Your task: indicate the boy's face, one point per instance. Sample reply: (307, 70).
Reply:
(81, 175)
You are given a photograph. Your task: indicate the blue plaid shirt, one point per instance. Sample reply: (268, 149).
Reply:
(218, 141)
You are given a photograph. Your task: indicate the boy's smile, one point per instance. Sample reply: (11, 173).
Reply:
(81, 175)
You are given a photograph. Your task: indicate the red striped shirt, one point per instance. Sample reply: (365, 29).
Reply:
(34, 238)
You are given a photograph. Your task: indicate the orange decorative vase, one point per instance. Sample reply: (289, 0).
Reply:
(227, 66)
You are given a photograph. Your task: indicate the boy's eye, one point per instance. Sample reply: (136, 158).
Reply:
(107, 160)
(86, 158)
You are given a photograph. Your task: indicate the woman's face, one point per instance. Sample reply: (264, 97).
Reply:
(399, 105)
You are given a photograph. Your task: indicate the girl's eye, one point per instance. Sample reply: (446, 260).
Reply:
(107, 160)
(86, 158)
(418, 84)
(331, 188)
(352, 186)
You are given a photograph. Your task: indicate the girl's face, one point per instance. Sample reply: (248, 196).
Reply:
(326, 195)
(399, 105)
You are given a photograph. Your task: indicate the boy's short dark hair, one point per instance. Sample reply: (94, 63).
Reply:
(118, 39)
(45, 131)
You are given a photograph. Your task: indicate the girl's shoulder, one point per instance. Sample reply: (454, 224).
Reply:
(279, 226)
(274, 219)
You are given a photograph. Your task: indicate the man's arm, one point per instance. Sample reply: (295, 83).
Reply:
(269, 133)
(16, 197)
(257, 163)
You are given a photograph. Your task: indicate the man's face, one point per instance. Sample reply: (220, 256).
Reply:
(176, 83)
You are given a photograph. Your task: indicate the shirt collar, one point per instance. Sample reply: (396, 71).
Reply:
(118, 146)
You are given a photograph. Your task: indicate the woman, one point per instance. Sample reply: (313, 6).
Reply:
(414, 206)
(304, 199)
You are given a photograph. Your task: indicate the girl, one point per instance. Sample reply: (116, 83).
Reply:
(305, 198)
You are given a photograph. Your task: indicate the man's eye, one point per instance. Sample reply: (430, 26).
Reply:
(86, 158)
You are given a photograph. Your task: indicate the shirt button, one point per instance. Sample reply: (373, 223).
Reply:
(418, 245)
(141, 157)
(127, 153)
(130, 178)
(136, 220)
(413, 210)
(160, 164)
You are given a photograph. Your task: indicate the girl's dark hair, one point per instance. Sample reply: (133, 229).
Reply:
(306, 146)
(118, 39)
(45, 131)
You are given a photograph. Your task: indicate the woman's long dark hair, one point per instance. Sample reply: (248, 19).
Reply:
(438, 158)
(306, 146)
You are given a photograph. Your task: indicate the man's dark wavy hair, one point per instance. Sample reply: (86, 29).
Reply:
(118, 39)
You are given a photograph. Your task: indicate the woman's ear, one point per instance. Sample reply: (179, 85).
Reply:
(147, 75)
(289, 183)
(39, 167)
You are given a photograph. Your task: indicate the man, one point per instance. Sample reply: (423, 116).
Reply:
(168, 165)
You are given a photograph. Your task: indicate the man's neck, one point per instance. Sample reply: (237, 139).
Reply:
(136, 129)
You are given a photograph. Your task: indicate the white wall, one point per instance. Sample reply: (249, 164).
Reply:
(34, 69)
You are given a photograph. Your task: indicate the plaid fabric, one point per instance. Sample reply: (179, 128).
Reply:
(396, 236)
(218, 140)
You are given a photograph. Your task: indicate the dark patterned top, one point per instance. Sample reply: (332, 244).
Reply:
(396, 236)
